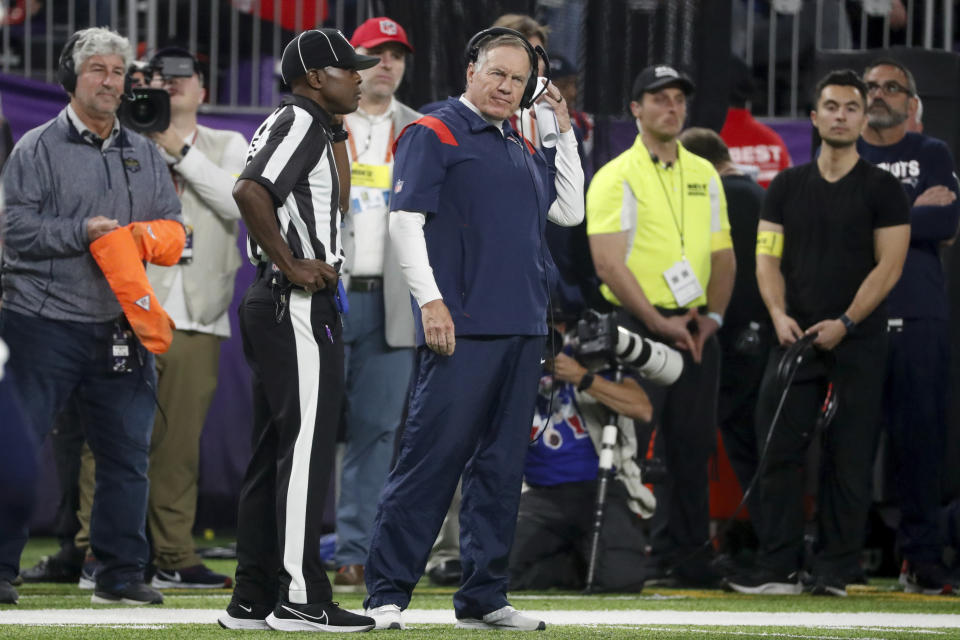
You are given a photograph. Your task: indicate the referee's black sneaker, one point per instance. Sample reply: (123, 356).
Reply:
(827, 585)
(326, 616)
(245, 615)
(134, 593)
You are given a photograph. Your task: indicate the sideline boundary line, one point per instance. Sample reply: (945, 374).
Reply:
(864, 620)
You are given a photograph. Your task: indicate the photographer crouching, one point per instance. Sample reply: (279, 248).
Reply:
(579, 394)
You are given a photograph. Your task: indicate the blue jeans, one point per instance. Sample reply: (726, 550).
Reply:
(49, 361)
(377, 379)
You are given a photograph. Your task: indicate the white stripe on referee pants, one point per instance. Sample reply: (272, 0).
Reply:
(308, 378)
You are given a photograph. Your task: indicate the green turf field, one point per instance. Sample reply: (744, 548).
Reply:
(879, 610)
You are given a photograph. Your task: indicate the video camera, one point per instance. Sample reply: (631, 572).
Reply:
(145, 109)
(600, 343)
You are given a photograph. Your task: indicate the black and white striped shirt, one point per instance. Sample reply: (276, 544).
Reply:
(290, 155)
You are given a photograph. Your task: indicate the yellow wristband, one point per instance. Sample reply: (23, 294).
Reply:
(770, 243)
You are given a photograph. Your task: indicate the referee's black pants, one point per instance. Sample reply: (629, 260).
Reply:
(296, 357)
(856, 367)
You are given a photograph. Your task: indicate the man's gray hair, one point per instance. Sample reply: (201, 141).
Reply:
(504, 40)
(100, 41)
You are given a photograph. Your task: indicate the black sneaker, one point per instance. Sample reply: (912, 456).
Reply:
(762, 581)
(196, 577)
(135, 593)
(446, 573)
(245, 615)
(825, 585)
(8, 595)
(317, 617)
(63, 566)
(927, 578)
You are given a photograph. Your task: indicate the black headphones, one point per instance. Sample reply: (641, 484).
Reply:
(473, 52)
(66, 74)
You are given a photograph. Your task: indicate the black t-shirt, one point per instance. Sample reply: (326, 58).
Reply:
(744, 199)
(828, 247)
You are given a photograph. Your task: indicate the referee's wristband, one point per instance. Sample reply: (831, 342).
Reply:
(848, 324)
(716, 317)
(585, 382)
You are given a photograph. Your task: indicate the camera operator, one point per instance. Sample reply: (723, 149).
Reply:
(554, 523)
(68, 183)
(660, 239)
(196, 292)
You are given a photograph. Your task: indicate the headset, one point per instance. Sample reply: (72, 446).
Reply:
(473, 52)
(66, 74)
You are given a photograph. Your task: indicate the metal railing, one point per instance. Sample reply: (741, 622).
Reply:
(242, 45)
(776, 38)
(831, 26)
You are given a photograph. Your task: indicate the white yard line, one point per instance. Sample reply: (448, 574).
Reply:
(866, 620)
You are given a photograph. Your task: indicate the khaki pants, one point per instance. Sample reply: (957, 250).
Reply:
(186, 381)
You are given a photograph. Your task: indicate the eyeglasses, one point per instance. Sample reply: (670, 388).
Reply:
(888, 88)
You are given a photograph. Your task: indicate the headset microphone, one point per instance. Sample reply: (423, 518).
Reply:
(656, 159)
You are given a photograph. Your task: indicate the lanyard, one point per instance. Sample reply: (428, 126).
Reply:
(666, 194)
(353, 147)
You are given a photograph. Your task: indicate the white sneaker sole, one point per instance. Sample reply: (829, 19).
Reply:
(287, 624)
(86, 583)
(98, 599)
(159, 583)
(769, 589)
(249, 624)
(915, 588)
(395, 625)
(479, 625)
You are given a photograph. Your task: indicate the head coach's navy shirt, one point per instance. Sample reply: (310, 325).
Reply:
(485, 197)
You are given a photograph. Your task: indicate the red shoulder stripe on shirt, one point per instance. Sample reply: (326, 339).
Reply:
(434, 124)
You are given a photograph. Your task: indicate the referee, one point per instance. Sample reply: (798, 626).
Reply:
(289, 196)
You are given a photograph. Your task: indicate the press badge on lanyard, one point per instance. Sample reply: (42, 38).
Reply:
(683, 282)
(681, 279)
(370, 187)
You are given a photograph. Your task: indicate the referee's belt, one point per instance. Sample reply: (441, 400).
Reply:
(365, 284)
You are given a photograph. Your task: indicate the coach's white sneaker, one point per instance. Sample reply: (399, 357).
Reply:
(506, 618)
(388, 616)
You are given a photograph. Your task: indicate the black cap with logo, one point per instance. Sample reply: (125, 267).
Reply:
(660, 76)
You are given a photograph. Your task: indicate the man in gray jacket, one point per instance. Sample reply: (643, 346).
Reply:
(378, 330)
(69, 182)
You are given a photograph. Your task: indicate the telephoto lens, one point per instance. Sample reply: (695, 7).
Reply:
(654, 360)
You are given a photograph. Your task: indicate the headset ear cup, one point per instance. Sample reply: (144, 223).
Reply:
(66, 74)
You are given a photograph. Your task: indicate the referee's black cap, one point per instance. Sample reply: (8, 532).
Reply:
(319, 48)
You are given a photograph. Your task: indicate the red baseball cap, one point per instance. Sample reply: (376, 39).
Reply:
(376, 31)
